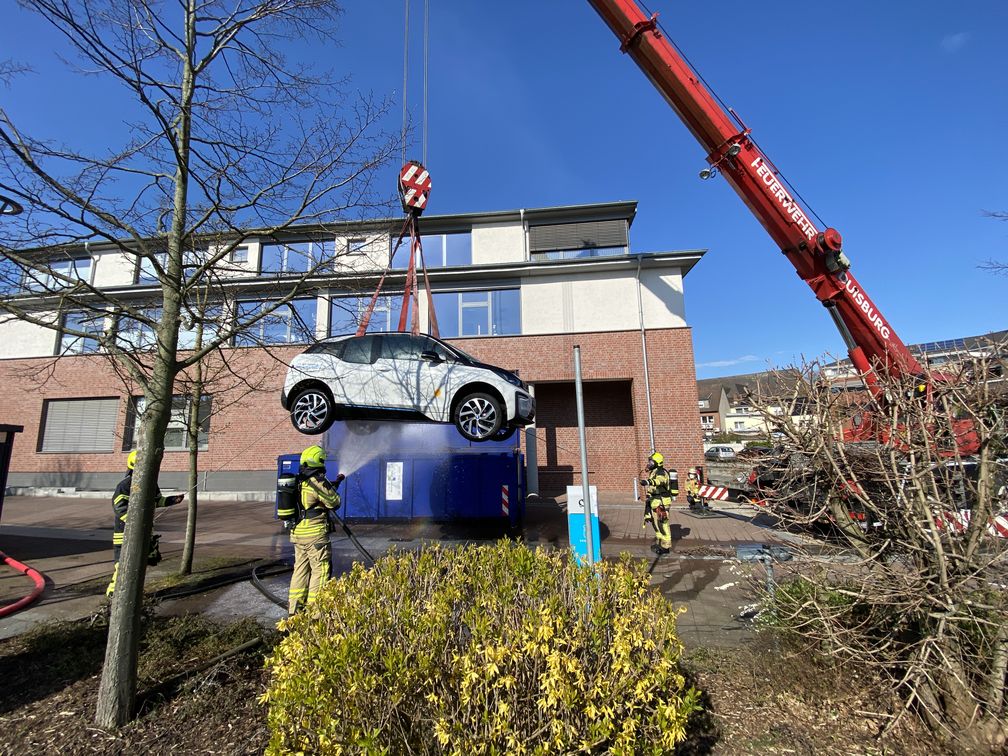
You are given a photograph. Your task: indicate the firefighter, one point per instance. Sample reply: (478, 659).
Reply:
(693, 490)
(659, 490)
(309, 523)
(120, 507)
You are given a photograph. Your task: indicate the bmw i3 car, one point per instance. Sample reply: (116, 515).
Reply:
(401, 376)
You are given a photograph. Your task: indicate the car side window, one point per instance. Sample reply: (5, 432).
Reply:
(359, 350)
(401, 346)
(429, 345)
(333, 349)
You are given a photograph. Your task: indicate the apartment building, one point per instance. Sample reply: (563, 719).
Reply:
(515, 288)
(729, 404)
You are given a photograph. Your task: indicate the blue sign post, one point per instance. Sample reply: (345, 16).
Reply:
(576, 523)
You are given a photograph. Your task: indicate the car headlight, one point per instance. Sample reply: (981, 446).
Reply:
(511, 378)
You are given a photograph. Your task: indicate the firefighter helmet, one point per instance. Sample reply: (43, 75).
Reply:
(313, 456)
(656, 460)
(692, 473)
(131, 460)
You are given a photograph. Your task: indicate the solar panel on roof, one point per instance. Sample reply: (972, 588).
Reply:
(948, 345)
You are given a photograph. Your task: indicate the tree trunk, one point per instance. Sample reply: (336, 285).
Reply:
(192, 438)
(117, 691)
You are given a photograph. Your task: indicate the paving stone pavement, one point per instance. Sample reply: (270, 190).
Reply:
(69, 541)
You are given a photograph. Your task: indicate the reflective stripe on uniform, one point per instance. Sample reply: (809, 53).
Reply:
(117, 539)
(316, 526)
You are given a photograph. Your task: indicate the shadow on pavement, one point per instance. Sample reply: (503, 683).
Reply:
(27, 548)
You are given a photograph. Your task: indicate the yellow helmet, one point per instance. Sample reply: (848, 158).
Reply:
(131, 460)
(657, 458)
(313, 456)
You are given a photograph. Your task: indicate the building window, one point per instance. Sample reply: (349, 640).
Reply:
(78, 425)
(291, 258)
(439, 251)
(478, 313)
(703, 403)
(707, 422)
(80, 321)
(565, 241)
(356, 246)
(345, 314)
(53, 276)
(176, 438)
(147, 272)
(239, 254)
(139, 336)
(739, 425)
(291, 323)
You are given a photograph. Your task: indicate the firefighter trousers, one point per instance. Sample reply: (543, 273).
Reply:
(663, 532)
(311, 570)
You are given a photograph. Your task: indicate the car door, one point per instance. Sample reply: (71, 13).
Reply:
(438, 367)
(397, 371)
(355, 374)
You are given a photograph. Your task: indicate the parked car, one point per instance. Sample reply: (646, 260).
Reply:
(720, 453)
(404, 377)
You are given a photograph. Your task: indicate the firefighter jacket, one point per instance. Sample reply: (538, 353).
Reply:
(661, 488)
(120, 506)
(693, 488)
(317, 498)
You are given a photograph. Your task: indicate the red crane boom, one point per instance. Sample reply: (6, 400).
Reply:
(816, 254)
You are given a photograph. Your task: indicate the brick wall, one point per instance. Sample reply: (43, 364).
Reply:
(249, 428)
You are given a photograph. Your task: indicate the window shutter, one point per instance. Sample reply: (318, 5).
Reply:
(611, 233)
(80, 425)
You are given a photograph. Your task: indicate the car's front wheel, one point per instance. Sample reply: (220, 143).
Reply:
(312, 411)
(478, 416)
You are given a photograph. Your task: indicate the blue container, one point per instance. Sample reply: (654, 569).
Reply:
(403, 471)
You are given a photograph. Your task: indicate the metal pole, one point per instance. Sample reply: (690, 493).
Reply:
(643, 341)
(585, 490)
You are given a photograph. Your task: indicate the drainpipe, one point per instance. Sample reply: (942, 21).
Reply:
(643, 341)
(525, 252)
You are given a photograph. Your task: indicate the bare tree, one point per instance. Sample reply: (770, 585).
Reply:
(913, 585)
(996, 266)
(229, 139)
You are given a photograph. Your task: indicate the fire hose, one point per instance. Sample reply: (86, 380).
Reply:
(36, 577)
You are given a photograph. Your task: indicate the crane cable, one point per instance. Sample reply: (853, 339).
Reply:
(405, 84)
(426, 58)
(724, 106)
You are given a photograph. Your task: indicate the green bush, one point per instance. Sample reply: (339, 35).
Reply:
(481, 650)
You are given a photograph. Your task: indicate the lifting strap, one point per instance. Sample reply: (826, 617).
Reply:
(414, 189)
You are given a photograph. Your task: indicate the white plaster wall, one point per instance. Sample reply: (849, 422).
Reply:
(601, 302)
(498, 243)
(229, 269)
(113, 268)
(374, 256)
(21, 339)
(662, 298)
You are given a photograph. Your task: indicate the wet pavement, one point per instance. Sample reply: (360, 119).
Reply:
(69, 541)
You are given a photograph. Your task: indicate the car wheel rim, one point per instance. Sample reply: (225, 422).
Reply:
(310, 411)
(478, 417)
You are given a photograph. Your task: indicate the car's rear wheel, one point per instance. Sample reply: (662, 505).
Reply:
(478, 416)
(312, 411)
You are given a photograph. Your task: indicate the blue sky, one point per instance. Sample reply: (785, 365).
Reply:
(889, 118)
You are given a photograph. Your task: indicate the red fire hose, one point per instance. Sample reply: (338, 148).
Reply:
(24, 570)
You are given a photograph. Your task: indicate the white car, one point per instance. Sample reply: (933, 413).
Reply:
(406, 377)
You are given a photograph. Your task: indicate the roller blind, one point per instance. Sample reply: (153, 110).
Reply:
(79, 425)
(611, 233)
